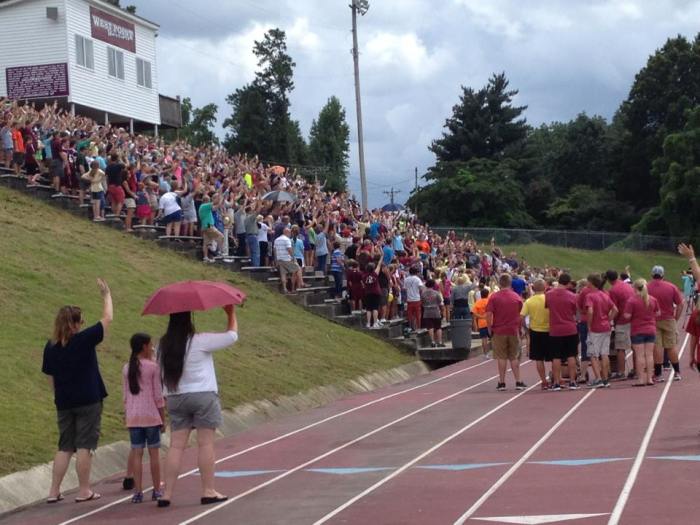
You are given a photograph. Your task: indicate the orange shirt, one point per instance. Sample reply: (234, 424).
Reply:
(480, 309)
(423, 246)
(18, 141)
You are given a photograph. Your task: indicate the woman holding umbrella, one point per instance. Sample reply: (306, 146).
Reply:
(189, 379)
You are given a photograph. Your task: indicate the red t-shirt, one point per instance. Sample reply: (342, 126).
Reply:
(668, 296)
(601, 304)
(620, 293)
(581, 304)
(561, 304)
(642, 317)
(505, 305)
(692, 326)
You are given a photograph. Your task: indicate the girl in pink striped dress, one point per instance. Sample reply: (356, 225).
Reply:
(145, 413)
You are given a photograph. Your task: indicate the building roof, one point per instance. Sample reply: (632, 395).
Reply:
(104, 5)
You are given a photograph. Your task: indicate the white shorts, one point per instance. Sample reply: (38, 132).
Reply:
(130, 203)
(598, 344)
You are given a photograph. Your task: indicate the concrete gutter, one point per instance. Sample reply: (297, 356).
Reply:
(21, 489)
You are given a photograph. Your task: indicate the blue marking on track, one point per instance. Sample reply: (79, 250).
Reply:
(467, 466)
(243, 473)
(579, 462)
(343, 471)
(677, 458)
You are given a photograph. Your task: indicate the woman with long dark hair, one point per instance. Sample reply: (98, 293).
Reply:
(187, 368)
(70, 361)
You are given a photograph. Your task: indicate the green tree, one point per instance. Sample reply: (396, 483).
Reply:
(678, 169)
(260, 121)
(587, 208)
(484, 124)
(248, 124)
(480, 192)
(198, 123)
(329, 143)
(661, 94)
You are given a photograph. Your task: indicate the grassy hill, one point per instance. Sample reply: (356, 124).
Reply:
(582, 262)
(49, 258)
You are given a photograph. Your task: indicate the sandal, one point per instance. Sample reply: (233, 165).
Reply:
(208, 500)
(137, 497)
(55, 500)
(92, 496)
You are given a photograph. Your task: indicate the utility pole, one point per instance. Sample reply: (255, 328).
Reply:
(415, 190)
(391, 194)
(361, 6)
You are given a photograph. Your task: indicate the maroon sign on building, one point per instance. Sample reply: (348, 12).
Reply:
(112, 30)
(42, 81)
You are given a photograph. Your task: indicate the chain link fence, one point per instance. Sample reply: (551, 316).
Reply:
(586, 240)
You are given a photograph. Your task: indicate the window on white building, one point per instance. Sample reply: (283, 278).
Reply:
(115, 63)
(83, 52)
(143, 73)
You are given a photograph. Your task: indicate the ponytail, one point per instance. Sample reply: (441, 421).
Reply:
(640, 285)
(137, 343)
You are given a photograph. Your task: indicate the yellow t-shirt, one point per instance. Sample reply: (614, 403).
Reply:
(539, 315)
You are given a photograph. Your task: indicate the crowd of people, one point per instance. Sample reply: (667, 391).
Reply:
(385, 264)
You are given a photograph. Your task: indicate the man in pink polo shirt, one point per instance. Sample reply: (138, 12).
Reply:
(620, 292)
(563, 333)
(503, 321)
(671, 306)
(601, 310)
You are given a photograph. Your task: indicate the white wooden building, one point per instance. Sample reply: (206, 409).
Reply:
(94, 58)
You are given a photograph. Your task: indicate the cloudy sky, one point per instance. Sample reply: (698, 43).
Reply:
(565, 57)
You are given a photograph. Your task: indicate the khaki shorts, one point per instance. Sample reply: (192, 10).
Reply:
(622, 337)
(506, 347)
(212, 234)
(598, 344)
(666, 333)
(288, 267)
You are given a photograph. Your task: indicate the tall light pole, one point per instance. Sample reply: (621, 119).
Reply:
(359, 6)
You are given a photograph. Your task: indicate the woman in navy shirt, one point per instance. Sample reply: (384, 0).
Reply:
(70, 361)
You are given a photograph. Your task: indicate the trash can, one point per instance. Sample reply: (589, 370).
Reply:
(461, 334)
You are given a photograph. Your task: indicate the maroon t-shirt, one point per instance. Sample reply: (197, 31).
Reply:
(620, 293)
(561, 304)
(370, 280)
(668, 296)
(642, 317)
(601, 304)
(505, 305)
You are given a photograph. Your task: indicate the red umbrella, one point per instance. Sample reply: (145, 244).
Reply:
(191, 296)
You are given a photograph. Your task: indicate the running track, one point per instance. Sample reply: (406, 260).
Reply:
(445, 449)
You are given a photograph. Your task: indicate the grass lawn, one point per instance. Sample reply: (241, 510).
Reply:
(582, 262)
(49, 258)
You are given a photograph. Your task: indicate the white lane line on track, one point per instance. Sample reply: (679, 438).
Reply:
(637, 465)
(470, 512)
(284, 436)
(333, 451)
(486, 495)
(418, 458)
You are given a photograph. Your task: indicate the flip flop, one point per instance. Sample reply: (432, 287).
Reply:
(92, 496)
(55, 500)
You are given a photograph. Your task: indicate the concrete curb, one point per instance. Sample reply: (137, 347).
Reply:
(21, 489)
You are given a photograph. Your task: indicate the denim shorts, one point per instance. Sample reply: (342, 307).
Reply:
(142, 437)
(641, 339)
